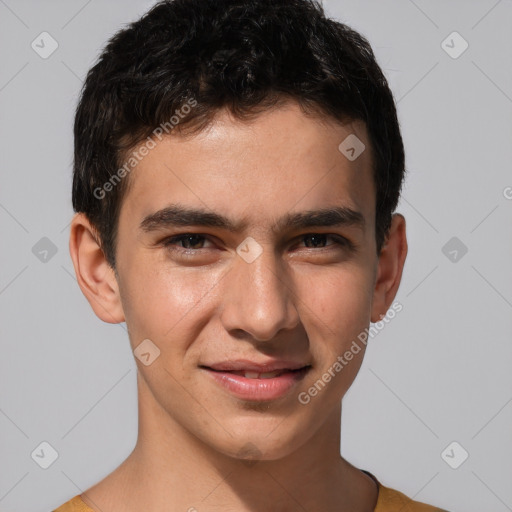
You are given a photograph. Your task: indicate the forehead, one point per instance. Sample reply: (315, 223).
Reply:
(282, 161)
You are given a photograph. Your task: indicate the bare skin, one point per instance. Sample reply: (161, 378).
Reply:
(297, 301)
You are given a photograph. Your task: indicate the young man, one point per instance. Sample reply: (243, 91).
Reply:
(237, 166)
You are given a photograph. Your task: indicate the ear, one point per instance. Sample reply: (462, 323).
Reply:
(390, 267)
(95, 276)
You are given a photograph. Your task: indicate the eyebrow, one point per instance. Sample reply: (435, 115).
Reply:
(176, 215)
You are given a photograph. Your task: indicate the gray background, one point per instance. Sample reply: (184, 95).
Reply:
(438, 373)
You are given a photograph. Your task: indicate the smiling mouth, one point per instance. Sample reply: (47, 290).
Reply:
(260, 375)
(254, 385)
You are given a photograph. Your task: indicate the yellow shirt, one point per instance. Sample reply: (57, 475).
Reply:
(388, 500)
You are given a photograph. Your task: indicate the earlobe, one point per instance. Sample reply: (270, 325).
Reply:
(94, 275)
(389, 273)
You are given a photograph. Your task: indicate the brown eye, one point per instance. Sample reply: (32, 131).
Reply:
(189, 241)
(317, 240)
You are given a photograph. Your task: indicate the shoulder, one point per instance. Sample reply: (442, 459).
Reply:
(390, 500)
(75, 504)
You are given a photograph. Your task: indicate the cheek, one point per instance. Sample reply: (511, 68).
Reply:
(159, 300)
(338, 298)
(336, 309)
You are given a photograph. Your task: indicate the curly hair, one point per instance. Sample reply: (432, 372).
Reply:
(243, 55)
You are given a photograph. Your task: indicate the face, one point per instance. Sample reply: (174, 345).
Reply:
(249, 249)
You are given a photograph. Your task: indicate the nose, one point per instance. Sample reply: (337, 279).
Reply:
(258, 297)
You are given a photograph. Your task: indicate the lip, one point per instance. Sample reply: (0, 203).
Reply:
(269, 365)
(257, 389)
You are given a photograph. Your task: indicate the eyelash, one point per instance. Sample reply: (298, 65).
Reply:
(169, 242)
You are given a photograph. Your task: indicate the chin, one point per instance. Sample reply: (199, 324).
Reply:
(262, 442)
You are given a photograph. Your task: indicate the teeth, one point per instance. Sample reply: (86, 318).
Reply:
(256, 375)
